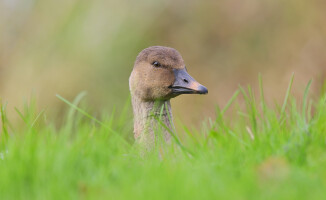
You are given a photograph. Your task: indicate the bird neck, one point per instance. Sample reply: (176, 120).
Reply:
(149, 120)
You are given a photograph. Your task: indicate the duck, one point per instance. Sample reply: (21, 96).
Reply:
(158, 75)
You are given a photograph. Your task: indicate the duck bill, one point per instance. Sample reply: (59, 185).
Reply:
(185, 84)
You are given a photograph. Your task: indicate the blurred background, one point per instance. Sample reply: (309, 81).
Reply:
(64, 47)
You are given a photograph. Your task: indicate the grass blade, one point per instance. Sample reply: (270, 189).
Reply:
(234, 96)
(92, 118)
(305, 99)
(286, 97)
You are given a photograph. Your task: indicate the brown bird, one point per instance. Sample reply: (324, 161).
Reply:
(159, 74)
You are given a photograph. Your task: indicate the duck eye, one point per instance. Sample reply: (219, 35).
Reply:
(156, 64)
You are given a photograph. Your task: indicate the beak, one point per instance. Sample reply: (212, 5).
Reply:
(185, 84)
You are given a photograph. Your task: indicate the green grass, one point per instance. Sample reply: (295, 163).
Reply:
(260, 152)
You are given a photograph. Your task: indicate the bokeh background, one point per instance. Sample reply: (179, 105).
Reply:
(64, 47)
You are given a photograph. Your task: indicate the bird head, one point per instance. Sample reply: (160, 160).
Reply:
(159, 73)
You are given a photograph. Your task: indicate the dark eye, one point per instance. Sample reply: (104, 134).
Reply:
(156, 64)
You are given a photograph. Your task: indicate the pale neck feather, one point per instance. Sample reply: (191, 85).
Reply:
(147, 128)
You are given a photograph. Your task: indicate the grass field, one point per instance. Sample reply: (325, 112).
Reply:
(258, 152)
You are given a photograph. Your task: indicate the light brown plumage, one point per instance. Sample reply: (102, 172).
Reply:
(158, 75)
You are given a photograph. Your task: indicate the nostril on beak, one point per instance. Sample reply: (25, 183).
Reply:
(185, 80)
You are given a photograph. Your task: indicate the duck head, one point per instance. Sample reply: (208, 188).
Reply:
(159, 73)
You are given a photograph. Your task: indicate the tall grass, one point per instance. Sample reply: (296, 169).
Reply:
(262, 152)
